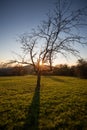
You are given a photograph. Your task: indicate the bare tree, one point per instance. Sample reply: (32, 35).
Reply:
(58, 34)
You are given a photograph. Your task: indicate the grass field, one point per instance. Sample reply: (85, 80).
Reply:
(60, 103)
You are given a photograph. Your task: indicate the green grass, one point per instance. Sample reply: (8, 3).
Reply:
(60, 103)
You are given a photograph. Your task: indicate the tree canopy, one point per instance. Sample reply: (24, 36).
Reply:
(58, 34)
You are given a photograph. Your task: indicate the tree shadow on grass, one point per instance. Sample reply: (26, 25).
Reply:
(32, 120)
(57, 79)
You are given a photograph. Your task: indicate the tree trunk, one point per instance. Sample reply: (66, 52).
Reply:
(38, 79)
(50, 61)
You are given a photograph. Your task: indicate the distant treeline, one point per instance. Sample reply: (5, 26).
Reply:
(79, 70)
(16, 70)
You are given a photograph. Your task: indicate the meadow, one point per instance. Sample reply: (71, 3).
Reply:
(59, 104)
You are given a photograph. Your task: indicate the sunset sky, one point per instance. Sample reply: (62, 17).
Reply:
(20, 16)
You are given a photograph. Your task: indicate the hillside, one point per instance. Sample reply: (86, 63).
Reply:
(60, 103)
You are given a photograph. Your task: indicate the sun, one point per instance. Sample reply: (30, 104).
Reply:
(40, 63)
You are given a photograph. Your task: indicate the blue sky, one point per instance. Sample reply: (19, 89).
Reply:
(19, 16)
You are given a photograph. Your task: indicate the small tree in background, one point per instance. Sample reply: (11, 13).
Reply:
(81, 68)
(56, 35)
